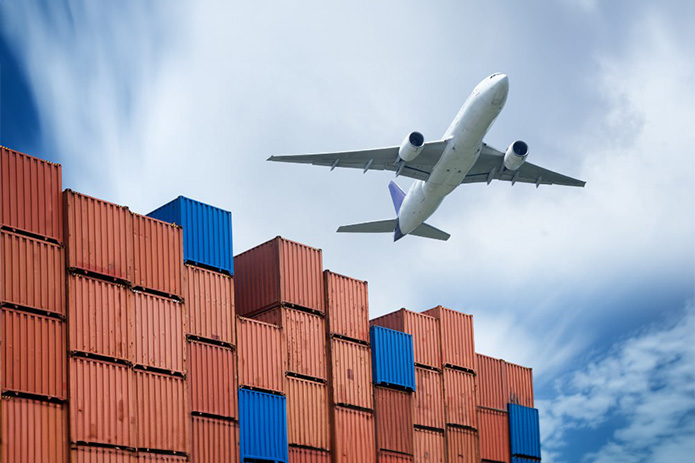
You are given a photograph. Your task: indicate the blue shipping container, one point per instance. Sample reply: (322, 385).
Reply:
(524, 431)
(524, 460)
(207, 232)
(262, 427)
(393, 362)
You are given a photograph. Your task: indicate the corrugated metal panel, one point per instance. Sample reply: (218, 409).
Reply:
(384, 456)
(207, 231)
(33, 354)
(159, 332)
(519, 384)
(428, 399)
(33, 432)
(30, 194)
(99, 317)
(523, 460)
(393, 411)
(425, 331)
(85, 454)
(524, 431)
(494, 435)
(278, 272)
(347, 306)
(209, 300)
(392, 358)
(430, 446)
(31, 273)
(98, 236)
(261, 356)
(214, 441)
(463, 445)
(491, 382)
(160, 458)
(351, 374)
(303, 455)
(353, 436)
(102, 403)
(157, 255)
(262, 426)
(459, 398)
(458, 346)
(307, 414)
(162, 411)
(212, 379)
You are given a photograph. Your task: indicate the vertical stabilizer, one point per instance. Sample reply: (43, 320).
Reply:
(397, 196)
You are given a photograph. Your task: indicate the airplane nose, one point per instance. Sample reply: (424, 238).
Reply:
(500, 89)
(502, 83)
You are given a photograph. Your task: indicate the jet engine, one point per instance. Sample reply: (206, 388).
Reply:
(515, 155)
(412, 146)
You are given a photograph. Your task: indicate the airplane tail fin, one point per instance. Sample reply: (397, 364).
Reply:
(397, 196)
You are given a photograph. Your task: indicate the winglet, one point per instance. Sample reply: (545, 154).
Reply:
(397, 196)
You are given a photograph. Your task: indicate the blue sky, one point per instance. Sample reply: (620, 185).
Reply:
(593, 288)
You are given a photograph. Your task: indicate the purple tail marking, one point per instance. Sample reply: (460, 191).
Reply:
(397, 196)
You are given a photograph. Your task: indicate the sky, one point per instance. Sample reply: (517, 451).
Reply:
(594, 288)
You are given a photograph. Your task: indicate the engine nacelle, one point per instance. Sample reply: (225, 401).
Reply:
(412, 146)
(515, 155)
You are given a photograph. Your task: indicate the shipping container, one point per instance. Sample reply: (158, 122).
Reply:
(33, 354)
(157, 255)
(305, 455)
(102, 403)
(424, 330)
(392, 358)
(347, 306)
(209, 300)
(491, 382)
(214, 440)
(428, 399)
(30, 190)
(31, 273)
(353, 436)
(159, 332)
(100, 318)
(33, 431)
(494, 435)
(212, 379)
(98, 236)
(305, 340)
(393, 412)
(524, 431)
(89, 454)
(162, 412)
(458, 347)
(519, 384)
(430, 446)
(278, 272)
(261, 357)
(351, 374)
(207, 232)
(463, 445)
(308, 422)
(384, 456)
(524, 460)
(262, 426)
(459, 398)
(146, 457)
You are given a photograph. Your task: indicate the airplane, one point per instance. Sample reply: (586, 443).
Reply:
(440, 166)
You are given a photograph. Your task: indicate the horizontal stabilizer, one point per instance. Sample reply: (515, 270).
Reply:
(428, 231)
(380, 226)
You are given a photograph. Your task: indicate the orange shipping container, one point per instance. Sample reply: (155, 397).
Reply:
(351, 374)
(30, 191)
(462, 445)
(384, 456)
(304, 455)
(307, 414)
(458, 347)
(430, 446)
(519, 385)
(214, 440)
(347, 306)
(145, 457)
(212, 379)
(494, 435)
(162, 411)
(261, 357)
(278, 272)
(425, 332)
(459, 398)
(393, 411)
(157, 255)
(31, 273)
(353, 436)
(491, 382)
(88, 454)
(428, 399)
(98, 236)
(159, 332)
(209, 300)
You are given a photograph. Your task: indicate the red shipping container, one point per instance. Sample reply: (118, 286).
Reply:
(33, 432)
(278, 272)
(145, 457)
(100, 317)
(214, 440)
(428, 399)
(102, 403)
(30, 191)
(384, 456)
(425, 331)
(87, 454)
(351, 374)
(304, 455)
(462, 445)
(162, 412)
(98, 236)
(31, 273)
(459, 398)
(393, 411)
(519, 385)
(212, 379)
(347, 306)
(491, 383)
(307, 414)
(209, 300)
(353, 436)
(261, 357)
(430, 446)
(159, 332)
(494, 435)
(305, 340)
(33, 354)
(157, 255)
(458, 347)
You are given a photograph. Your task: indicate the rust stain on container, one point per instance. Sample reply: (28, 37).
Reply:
(519, 384)
(278, 272)
(459, 398)
(162, 411)
(98, 236)
(430, 446)
(307, 414)
(384, 456)
(304, 455)
(33, 432)
(33, 354)
(146, 457)
(393, 411)
(425, 332)
(428, 399)
(87, 454)
(102, 403)
(351, 374)
(31, 273)
(209, 300)
(212, 379)
(157, 255)
(159, 332)
(261, 357)
(494, 435)
(214, 440)
(30, 190)
(463, 445)
(491, 382)
(347, 306)
(353, 436)
(99, 317)
(458, 347)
